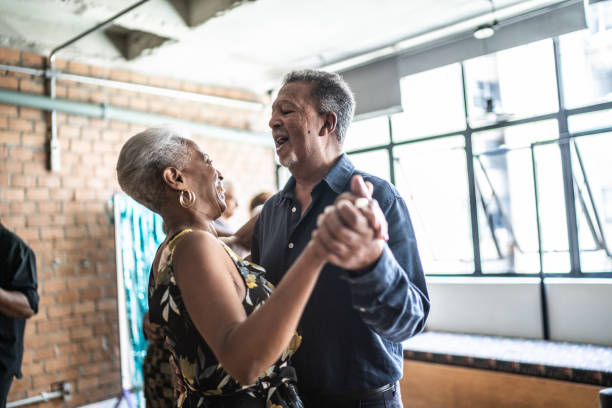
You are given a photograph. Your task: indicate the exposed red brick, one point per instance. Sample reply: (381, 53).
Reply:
(8, 55)
(20, 125)
(32, 60)
(9, 82)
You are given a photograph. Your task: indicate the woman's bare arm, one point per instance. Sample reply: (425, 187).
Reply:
(244, 345)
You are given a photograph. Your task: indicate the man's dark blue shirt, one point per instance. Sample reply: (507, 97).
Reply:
(352, 326)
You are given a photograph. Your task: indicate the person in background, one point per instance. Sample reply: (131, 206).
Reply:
(372, 294)
(222, 224)
(18, 302)
(258, 201)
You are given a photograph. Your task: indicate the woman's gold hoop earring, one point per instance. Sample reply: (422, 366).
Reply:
(189, 200)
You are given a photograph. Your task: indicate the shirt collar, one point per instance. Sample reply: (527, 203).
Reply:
(337, 178)
(339, 175)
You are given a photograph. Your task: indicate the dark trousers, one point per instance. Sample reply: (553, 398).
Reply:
(390, 398)
(5, 384)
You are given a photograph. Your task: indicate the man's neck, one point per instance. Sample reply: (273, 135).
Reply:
(308, 178)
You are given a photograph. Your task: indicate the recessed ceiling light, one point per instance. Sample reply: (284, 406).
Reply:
(484, 31)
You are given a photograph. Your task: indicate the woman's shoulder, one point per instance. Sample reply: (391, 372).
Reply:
(195, 241)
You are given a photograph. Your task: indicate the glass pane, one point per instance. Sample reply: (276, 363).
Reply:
(283, 175)
(590, 121)
(593, 190)
(432, 178)
(506, 200)
(586, 59)
(367, 133)
(375, 162)
(432, 103)
(511, 84)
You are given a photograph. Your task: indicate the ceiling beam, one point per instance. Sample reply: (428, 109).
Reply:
(134, 43)
(197, 12)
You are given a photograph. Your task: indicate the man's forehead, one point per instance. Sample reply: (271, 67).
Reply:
(294, 91)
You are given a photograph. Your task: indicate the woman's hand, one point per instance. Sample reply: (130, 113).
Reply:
(353, 230)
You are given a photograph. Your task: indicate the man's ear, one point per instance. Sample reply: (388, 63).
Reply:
(173, 178)
(329, 123)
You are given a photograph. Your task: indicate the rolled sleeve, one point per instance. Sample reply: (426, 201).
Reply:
(25, 279)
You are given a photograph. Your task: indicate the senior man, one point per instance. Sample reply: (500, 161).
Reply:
(374, 295)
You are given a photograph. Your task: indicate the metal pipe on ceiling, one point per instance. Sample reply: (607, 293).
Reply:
(54, 146)
(128, 86)
(110, 112)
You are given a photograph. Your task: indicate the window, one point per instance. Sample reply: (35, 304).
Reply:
(431, 177)
(593, 194)
(367, 133)
(426, 98)
(504, 180)
(529, 155)
(511, 84)
(375, 162)
(586, 60)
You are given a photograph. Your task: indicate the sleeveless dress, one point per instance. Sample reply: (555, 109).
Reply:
(207, 383)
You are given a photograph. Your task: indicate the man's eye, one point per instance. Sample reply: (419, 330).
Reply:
(286, 112)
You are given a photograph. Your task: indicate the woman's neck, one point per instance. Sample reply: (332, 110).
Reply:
(175, 224)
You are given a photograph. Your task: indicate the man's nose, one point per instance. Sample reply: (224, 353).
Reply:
(274, 121)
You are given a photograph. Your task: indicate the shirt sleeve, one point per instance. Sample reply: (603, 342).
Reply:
(392, 298)
(24, 278)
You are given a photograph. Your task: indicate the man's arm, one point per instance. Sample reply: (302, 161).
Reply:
(15, 304)
(389, 291)
(20, 299)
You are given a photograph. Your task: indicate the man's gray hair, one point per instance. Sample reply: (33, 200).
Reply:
(143, 159)
(332, 93)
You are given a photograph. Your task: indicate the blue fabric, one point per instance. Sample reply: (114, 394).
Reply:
(353, 326)
(141, 234)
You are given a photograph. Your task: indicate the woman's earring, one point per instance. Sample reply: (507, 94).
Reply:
(187, 198)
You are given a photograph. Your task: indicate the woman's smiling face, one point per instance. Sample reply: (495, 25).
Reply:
(206, 182)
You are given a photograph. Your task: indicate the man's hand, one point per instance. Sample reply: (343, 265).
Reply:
(353, 230)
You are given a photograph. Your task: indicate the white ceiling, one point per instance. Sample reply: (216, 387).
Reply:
(249, 47)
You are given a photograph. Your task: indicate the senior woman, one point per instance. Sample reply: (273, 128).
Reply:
(231, 335)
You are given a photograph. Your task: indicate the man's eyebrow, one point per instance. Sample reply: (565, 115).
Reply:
(283, 101)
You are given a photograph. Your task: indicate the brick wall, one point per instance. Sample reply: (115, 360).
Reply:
(63, 216)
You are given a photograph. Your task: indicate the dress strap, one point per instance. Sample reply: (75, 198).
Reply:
(172, 243)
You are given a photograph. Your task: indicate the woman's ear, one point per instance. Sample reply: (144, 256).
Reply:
(329, 123)
(173, 178)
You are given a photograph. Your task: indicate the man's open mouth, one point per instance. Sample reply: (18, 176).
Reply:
(280, 140)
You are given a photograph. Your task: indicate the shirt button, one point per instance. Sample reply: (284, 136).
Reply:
(362, 309)
(293, 209)
(290, 245)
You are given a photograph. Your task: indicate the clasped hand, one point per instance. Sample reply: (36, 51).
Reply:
(353, 230)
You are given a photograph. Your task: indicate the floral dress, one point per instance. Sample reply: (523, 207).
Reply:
(207, 383)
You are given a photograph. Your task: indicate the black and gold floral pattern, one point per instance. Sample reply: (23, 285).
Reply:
(205, 379)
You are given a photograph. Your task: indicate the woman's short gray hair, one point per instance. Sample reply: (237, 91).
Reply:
(332, 93)
(143, 159)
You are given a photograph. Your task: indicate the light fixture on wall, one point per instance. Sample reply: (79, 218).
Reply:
(487, 30)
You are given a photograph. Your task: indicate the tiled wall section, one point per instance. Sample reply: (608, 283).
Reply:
(63, 216)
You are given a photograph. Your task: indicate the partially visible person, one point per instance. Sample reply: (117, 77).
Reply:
(258, 201)
(223, 225)
(158, 390)
(203, 295)
(18, 301)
